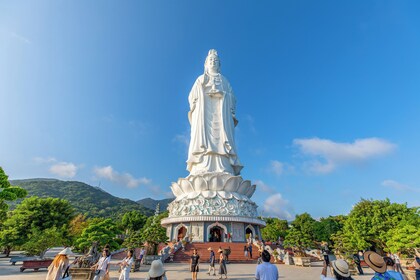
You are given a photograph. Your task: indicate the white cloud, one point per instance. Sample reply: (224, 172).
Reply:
(398, 186)
(334, 154)
(277, 206)
(276, 167)
(64, 169)
(264, 187)
(126, 179)
(59, 168)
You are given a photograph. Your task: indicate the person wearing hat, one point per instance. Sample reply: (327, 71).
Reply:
(340, 269)
(156, 271)
(212, 261)
(59, 266)
(377, 264)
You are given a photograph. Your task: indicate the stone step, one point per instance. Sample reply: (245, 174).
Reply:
(236, 255)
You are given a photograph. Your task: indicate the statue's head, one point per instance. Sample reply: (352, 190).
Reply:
(212, 63)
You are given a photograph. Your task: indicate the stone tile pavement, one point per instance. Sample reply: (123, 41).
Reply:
(179, 271)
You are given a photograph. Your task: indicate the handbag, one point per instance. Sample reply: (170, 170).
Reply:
(97, 272)
(66, 275)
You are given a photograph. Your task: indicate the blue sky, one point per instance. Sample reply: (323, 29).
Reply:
(328, 95)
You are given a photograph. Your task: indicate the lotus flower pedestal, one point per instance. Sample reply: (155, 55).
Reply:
(213, 207)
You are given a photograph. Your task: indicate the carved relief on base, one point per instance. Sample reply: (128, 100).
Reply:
(216, 205)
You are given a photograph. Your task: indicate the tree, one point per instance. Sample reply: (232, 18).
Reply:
(102, 231)
(406, 236)
(274, 229)
(301, 234)
(369, 223)
(326, 227)
(132, 221)
(8, 193)
(35, 214)
(39, 241)
(153, 233)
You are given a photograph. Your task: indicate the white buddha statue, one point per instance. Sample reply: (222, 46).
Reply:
(212, 117)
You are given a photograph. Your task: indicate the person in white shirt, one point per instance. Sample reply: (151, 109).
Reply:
(142, 253)
(126, 264)
(266, 270)
(101, 267)
(340, 270)
(397, 263)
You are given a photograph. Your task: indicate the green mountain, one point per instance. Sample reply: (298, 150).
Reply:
(91, 201)
(151, 203)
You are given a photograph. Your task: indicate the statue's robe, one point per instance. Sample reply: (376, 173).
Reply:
(212, 145)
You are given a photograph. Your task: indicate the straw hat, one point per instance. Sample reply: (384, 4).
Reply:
(66, 251)
(210, 249)
(341, 267)
(156, 269)
(375, 261)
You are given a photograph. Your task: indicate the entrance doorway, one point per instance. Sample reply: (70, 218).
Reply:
(216, 234)
(181, 233)
(249, 234)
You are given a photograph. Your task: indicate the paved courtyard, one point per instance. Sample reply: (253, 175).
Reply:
(177, 271)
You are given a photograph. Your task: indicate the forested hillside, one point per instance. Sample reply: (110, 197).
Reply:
(91, 201)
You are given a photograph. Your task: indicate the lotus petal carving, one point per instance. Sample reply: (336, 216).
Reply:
(243, 188)
(212, 184)
(186, 186)
(209, 194)
(216, 183)
(226, 195)
(176, 189)
(200, 184)
(193, 195)
(232, 184)
(251, 191)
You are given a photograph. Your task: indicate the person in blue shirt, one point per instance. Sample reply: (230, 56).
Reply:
(377, 264)
(390, 269)
(266, 270)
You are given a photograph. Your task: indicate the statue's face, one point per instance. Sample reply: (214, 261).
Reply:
(213, 63)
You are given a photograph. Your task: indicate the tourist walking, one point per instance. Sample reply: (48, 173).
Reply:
(266, 270)
(195, 259)
(340, 269)
(142, 253)
(156, 271)
(222, 264)
(356, 259)
(102, 266)
(250, 250)
(246, 251)
(390, 269)
(125, 266)
(59, 266)
(212, 262)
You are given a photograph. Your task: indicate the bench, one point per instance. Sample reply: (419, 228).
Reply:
(35, 264)
(14, 260)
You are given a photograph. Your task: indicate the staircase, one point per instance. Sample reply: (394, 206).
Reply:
(236, 255)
